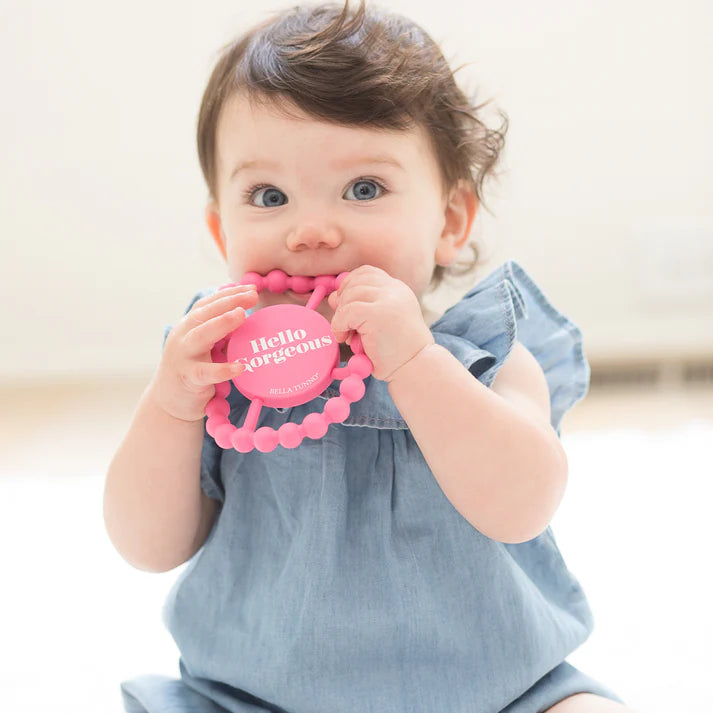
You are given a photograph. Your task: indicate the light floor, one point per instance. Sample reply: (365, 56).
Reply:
(633, 527)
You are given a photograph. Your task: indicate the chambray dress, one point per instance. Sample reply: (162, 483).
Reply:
(338, 578)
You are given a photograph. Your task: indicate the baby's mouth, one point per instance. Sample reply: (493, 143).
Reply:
(290, 297)
(300, 288)
(301, 284)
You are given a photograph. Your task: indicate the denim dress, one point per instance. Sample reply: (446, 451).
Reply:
(338, 578)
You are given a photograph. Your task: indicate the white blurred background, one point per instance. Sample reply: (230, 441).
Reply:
(607, 201)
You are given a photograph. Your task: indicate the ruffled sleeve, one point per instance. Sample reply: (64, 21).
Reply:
(211, 453)
(481, 330)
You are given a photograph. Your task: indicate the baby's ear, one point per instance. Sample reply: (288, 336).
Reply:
(212, 219)
(460, 210)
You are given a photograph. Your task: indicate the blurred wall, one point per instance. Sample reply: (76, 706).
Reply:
(607, 198)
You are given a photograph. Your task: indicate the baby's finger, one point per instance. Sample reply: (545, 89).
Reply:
(206, 373)
(349, 317)
(203, 337)
(357, 292)
(222, 292)
(344, 336)
(220, 302)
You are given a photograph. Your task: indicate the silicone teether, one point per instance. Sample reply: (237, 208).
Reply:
(290, 355)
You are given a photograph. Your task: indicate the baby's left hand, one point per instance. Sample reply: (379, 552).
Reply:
(386, 314)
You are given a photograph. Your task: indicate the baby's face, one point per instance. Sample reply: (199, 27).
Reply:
(312, 198)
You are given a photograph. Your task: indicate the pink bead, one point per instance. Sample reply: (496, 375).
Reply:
(243, 440)
(315, 425)
(223, 389)
(290, 435)
(340, 278)
(217, 407)
(336, 409)
(340, 372)
(222, 435)
(326, 281)
(276, 281)
(352, 388)
(266, 439)
(301, 284)
(360, 365)
(253, 278)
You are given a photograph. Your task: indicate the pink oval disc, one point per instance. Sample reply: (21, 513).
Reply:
(288, 351)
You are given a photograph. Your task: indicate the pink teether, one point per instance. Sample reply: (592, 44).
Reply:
(290, 355)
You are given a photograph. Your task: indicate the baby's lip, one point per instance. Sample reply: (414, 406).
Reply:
(319, 274)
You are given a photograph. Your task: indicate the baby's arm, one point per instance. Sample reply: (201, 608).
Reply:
(155, 512)
(493, 451)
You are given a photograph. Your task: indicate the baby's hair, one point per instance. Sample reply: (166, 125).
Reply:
(363, 67)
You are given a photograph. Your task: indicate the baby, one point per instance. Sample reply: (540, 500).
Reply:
(403, 563)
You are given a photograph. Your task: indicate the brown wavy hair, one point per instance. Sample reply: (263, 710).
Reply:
(363, 67)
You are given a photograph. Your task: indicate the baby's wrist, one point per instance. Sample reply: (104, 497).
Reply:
(410, 363)
(176, 409)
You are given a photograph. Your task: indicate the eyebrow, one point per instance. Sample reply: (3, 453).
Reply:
(253, 164)
(363, 160)
(346, 163)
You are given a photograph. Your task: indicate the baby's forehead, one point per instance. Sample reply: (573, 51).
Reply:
(259, 107)
(270, 125)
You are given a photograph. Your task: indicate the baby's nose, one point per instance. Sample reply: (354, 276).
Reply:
(313, 235)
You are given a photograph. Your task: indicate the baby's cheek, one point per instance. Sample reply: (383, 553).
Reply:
(235, 271)
(412, 266)
(418, 279)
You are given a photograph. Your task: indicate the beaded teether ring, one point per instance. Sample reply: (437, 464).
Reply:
(290, 355)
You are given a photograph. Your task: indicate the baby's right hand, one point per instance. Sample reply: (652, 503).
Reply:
(185, 378)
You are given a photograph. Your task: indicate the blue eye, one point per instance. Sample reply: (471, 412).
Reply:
(365, 190)
(272, 197)
(264, 196)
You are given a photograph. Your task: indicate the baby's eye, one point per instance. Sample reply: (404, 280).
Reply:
(271, 196)
(365, 189)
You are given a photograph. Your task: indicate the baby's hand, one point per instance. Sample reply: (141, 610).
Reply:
(185, 378)
(386, 314)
